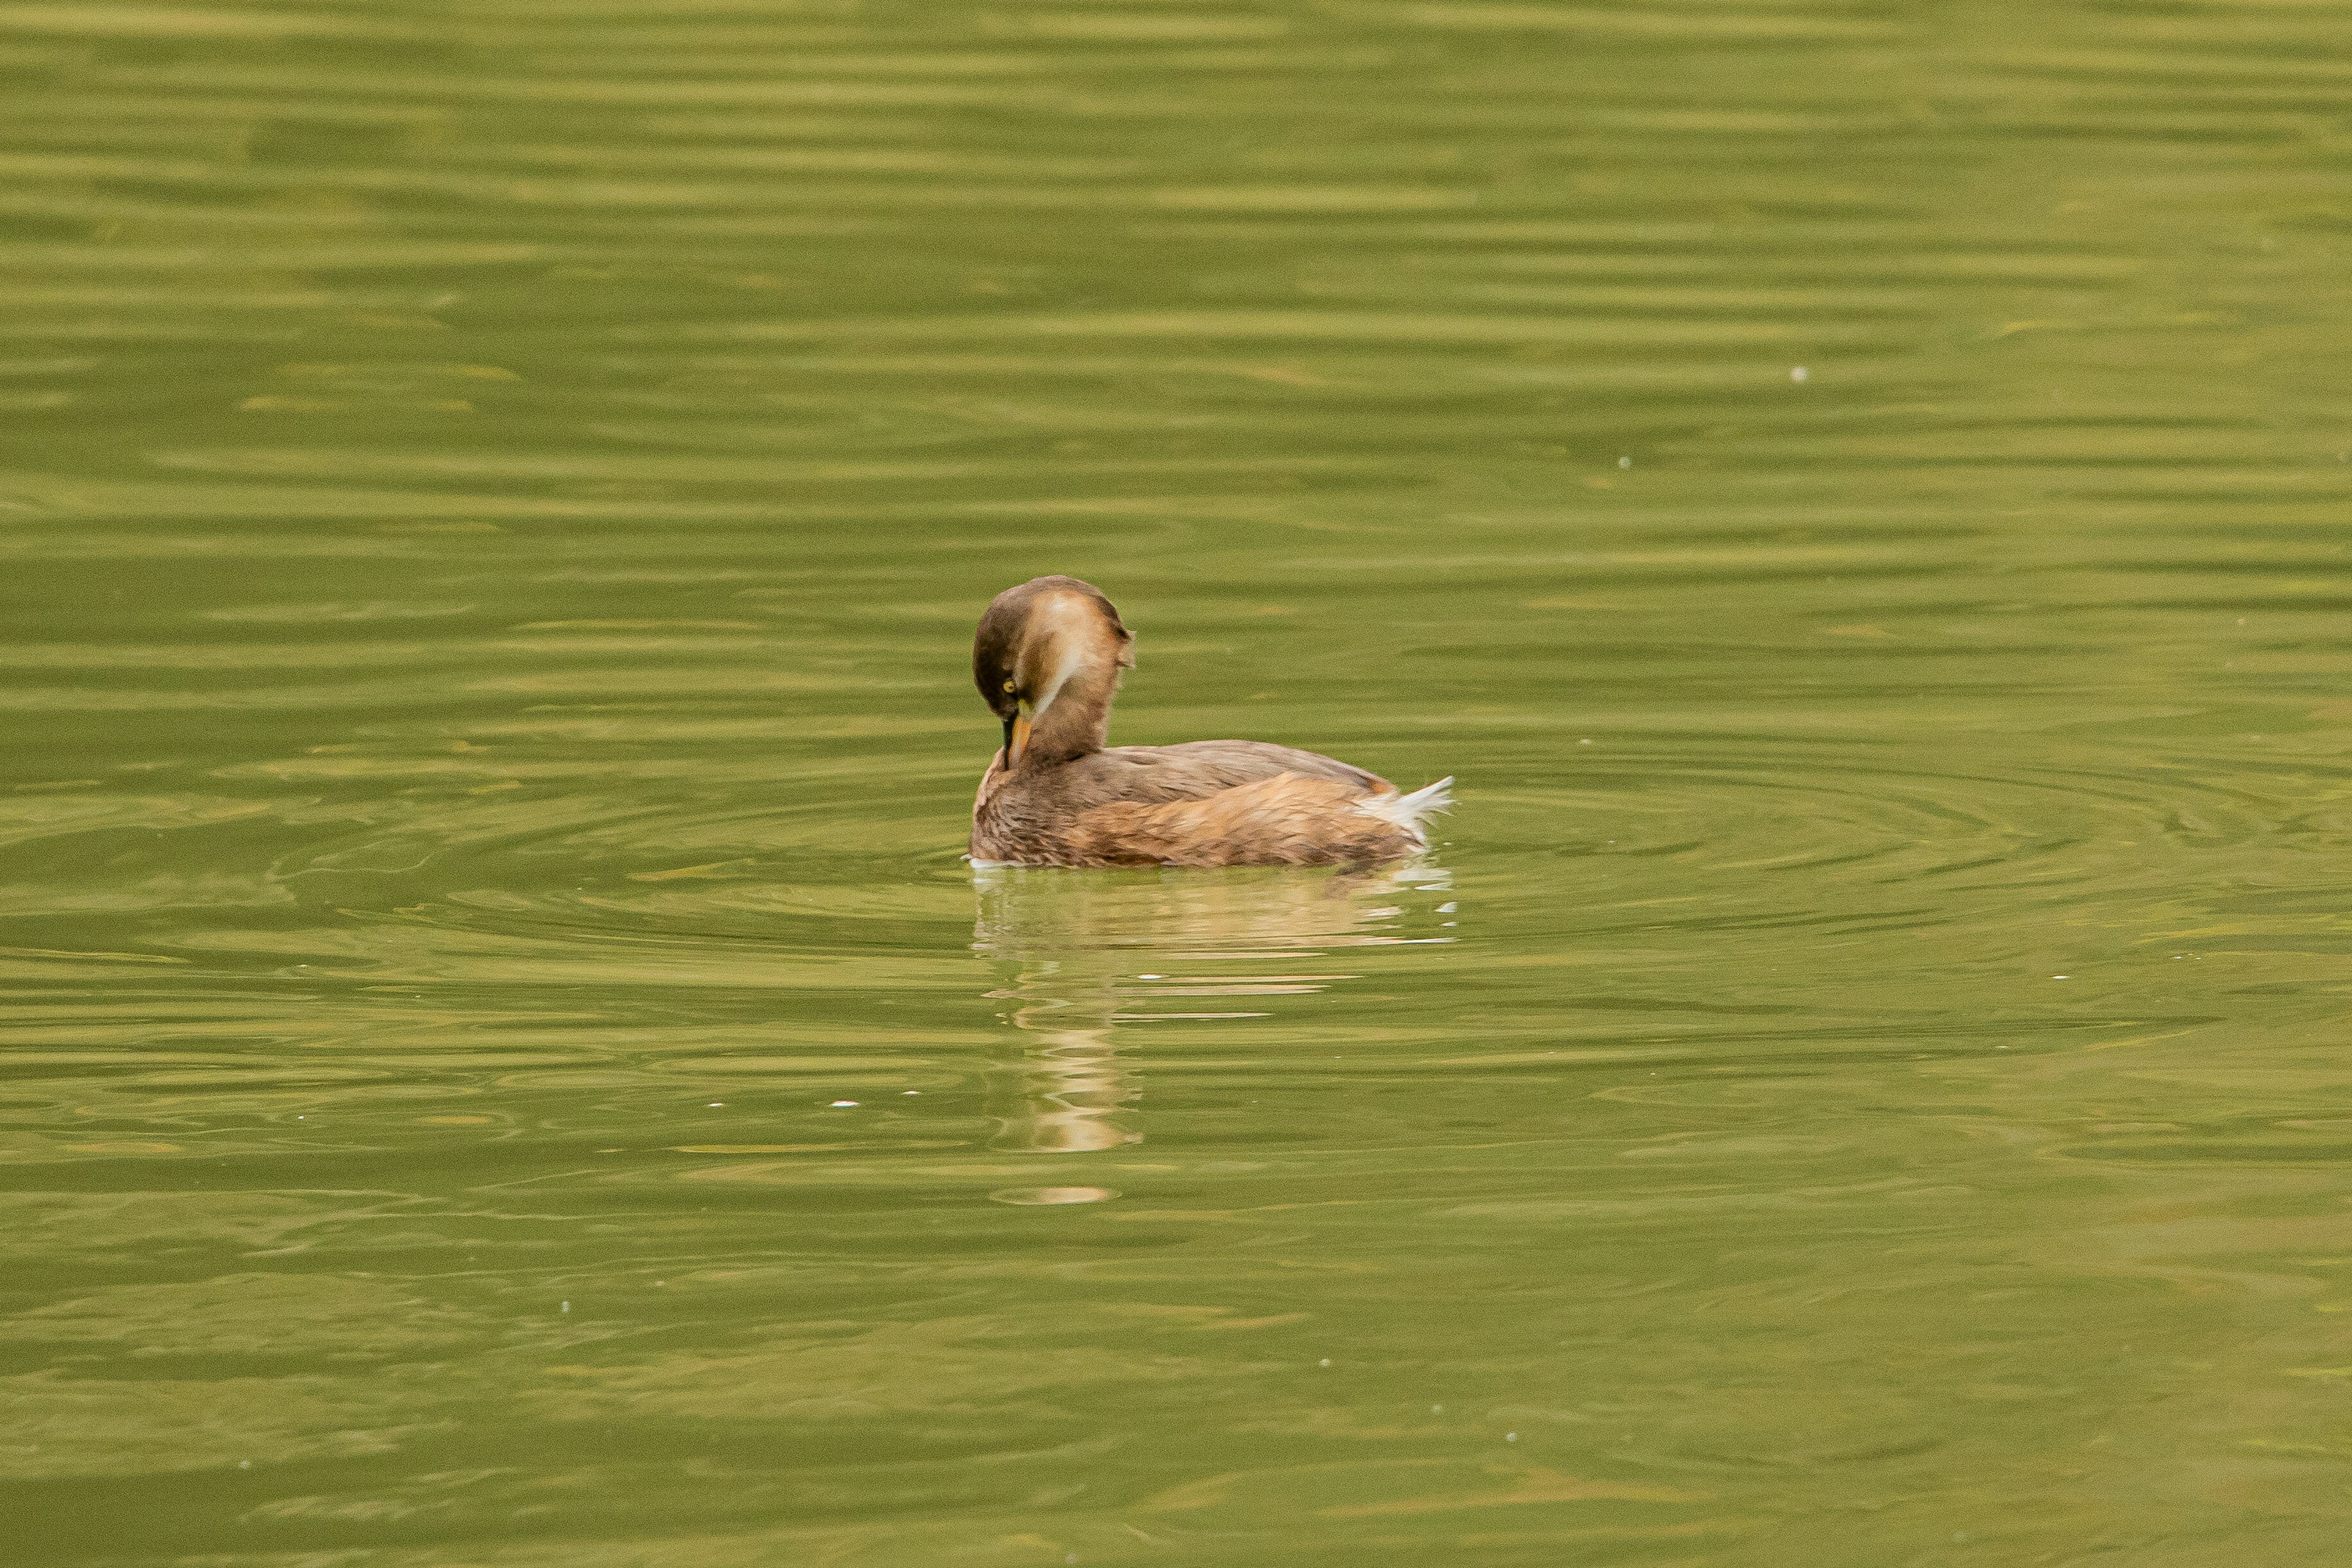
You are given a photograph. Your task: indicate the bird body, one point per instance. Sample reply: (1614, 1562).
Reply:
(1047, 659)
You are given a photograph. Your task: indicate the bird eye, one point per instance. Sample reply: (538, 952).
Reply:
(1008, 685)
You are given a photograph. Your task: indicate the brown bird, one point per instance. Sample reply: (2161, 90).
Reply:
(1048, 659)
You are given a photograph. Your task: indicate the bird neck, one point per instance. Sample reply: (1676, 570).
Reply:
(1076, 723)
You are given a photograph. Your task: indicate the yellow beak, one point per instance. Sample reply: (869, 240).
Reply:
(1016, 739)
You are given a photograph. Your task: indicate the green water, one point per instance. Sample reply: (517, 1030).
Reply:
(494, 499)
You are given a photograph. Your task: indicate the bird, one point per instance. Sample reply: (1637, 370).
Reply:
(1047, 659)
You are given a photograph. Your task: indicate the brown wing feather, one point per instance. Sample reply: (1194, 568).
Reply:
(1198, 769)
(1286, 820)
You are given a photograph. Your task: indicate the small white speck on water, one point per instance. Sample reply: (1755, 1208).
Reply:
(1510, 1436)
(914, 1091)
(567, 1306)
(1437, 1410)
(1448, 907)
(1797, 373)
(1325, 1362)
(844, 1105)
(1152, 977)
(659, 1283)
(2061, 978)
(1624, 462)
(244, 1464)
(1584, 743)
(717, 1105)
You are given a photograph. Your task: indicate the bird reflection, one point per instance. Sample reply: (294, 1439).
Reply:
(1061, 1090)
(1085, 957)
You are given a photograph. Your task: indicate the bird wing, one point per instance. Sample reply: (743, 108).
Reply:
(1199, 769)
(1286, 819)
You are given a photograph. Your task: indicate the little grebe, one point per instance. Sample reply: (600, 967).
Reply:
(1048, 660)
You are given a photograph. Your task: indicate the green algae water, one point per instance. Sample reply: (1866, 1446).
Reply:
(505, 1067)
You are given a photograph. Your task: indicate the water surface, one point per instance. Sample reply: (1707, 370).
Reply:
(505, 1067)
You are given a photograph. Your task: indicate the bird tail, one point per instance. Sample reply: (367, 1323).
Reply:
(1409, 811)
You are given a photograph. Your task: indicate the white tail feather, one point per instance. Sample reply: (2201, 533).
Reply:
(1407, 811)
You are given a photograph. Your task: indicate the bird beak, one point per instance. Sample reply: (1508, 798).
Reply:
(1016, 737)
